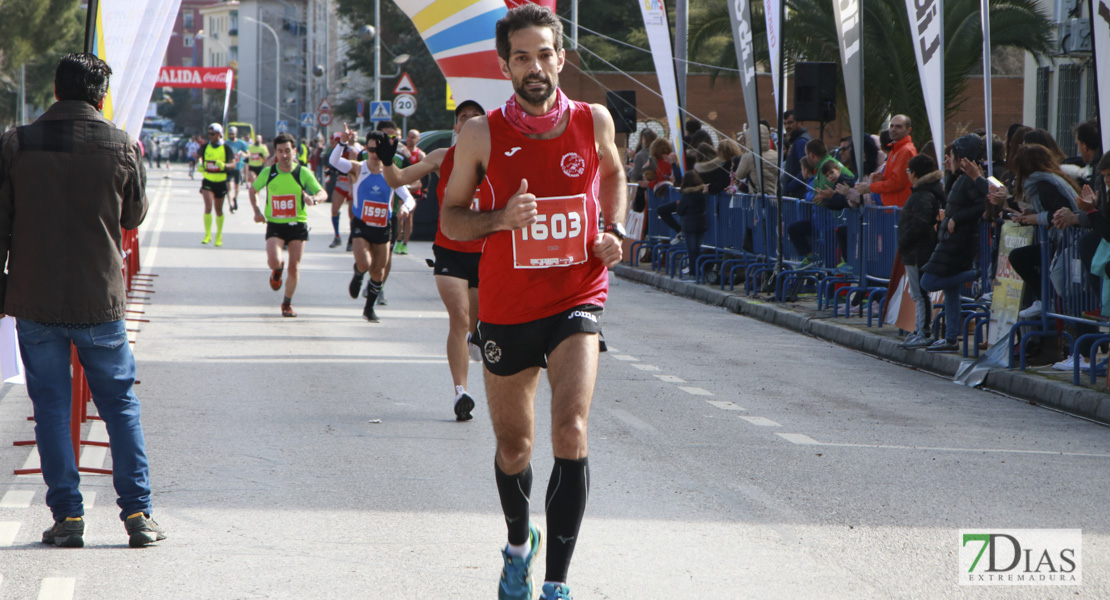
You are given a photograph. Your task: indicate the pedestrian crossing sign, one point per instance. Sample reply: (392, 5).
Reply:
(307, 120)
(282, 126)
(381, 111)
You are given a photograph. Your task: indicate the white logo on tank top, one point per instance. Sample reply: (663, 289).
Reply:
(512, 151)
(573, 164)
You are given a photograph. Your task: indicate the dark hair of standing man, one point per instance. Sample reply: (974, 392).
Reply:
(523, 17)
(82, 77)
(285, 138)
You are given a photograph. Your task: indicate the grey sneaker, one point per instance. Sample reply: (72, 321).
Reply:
(336, 242)
(143, 531)
(66, 534)
(943, 346)
(918, 342)
(381, 297)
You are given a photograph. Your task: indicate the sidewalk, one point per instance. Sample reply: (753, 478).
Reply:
(1040, 386)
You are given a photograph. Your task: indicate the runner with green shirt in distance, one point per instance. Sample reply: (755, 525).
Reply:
(289, 188)
(258, 155)
(235, 169)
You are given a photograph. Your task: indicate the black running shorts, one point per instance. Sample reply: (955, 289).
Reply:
(235, 176)
(510, 349)
(287, 231)
(461, 265)
(374, 235)
(218, 188)
(256, 170)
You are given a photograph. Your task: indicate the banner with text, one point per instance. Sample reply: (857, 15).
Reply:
(213, 78)
(741, 17)
(849, 24)
(928, 45)
(771, 10)
(655, 22)
(132, 36)
(1100, 34)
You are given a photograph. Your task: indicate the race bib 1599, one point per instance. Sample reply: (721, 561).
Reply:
(557, 238)
(375, 214)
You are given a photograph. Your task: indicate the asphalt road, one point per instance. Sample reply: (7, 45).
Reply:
(318, 457)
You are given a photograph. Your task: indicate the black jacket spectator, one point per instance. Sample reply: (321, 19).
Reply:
(691, 207)
(795, 148)
(917, 233)
(955, 252)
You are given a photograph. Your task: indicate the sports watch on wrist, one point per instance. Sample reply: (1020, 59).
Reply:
(616, 229)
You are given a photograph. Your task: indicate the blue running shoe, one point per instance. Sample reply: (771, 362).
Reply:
(516, 576)
(556, 591)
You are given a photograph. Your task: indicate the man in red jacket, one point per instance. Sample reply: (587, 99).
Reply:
(893, 183)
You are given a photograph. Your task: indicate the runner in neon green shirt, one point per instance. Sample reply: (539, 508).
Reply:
(258, 154)
(289, 188)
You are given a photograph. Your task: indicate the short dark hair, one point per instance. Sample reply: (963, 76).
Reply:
(82, 76)
(284, 138)
(1088, 133)
(787, 114)
(383, 125)
(829, 165)
(522, 17)
(692, 125)
(817, 147)
(921, 165)
(1104, 164)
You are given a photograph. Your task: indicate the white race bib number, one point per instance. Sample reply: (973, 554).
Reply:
(212, 166)
(557, 238)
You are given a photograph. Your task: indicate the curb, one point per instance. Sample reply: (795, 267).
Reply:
(1028, 386)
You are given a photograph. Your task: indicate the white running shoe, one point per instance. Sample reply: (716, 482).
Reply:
(1034, 310)
(1067, 364)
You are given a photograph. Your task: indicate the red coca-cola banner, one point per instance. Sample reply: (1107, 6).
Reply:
(195, 77)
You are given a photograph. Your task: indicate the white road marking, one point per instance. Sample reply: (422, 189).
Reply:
(150, 253)
(32, 462)
(761, 421)
(88, 499)
(643, 367)
(8, 531)
(98, 431)
(93, 457)
(633, 422)
(17, 499)
(799, 438)
(609, 348)
(697, 391)
(671, 379)
(624, 357)
(724, 405)
(57, 588)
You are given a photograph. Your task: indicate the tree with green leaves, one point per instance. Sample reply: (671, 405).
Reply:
(892, 85)
(35, 34)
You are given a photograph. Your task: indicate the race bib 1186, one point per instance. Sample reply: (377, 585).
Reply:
(557, 238)
(283, 207)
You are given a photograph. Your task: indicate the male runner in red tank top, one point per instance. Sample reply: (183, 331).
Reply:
(554, 170)
(456, 263)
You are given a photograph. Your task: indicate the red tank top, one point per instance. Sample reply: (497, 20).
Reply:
(549, 267)
(444, 175)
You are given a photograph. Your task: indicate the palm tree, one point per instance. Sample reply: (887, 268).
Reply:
(890, 68)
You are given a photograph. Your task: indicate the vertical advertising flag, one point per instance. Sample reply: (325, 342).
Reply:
(771, 11)
(926, 25)
(460, 36)
(988, 102)
(849, 26)
(655, 22)
(131, 36)
(741, 17)
(1100, 34)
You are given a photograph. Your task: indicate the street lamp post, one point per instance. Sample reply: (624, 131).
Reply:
(277, 75)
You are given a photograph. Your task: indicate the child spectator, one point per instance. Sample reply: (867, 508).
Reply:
(917, 238)
(691, 207)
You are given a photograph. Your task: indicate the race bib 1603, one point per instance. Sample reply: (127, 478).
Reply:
(557, 238)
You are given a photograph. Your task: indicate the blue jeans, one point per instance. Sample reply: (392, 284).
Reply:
(110, 370)
(950, 285)
(693, 250)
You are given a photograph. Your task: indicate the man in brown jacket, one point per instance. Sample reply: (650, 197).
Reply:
(68, 183)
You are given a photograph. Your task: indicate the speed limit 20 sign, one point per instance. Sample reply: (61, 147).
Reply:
(405, 105)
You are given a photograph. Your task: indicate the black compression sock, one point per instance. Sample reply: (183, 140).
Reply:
(515, 492)
(566, 503)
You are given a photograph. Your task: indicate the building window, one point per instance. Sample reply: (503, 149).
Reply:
(233, 28)
(188, 20)
(233, 53)
(187, 40)
(1067, 105)
(187, 61)
(1044, 77)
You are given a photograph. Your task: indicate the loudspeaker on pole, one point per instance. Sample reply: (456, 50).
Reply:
(622, 107)
(815, 91)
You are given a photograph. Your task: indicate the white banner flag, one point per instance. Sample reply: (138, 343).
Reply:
(741, 17)
(655, 21)
(1100, 33)
(927, 26)
(771, 10)
(849, 21)
(132, 36)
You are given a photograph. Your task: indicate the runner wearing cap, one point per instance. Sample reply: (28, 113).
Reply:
(214, 159)
(456, 264)
(235, 174)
